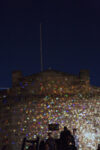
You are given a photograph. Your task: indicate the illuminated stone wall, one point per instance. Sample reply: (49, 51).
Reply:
(32, 119)
(66, 100)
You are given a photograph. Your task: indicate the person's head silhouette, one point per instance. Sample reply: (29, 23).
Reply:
(65, 128)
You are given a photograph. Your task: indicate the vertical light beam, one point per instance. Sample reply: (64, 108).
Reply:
(41, 57)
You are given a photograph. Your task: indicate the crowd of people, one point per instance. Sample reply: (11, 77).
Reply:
(67, 141)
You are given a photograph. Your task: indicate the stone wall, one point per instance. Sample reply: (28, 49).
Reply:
(50, 97)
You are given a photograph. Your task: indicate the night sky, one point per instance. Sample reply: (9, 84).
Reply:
(71, 37)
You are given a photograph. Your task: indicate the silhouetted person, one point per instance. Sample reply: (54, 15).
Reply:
(50, 142)
(37, 143)
(57, 141)
(98, 147)
(64, 138)
(46, 146)
(23, 144)
(42, 145)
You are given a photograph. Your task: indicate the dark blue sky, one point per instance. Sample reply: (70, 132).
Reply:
(71, 37)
